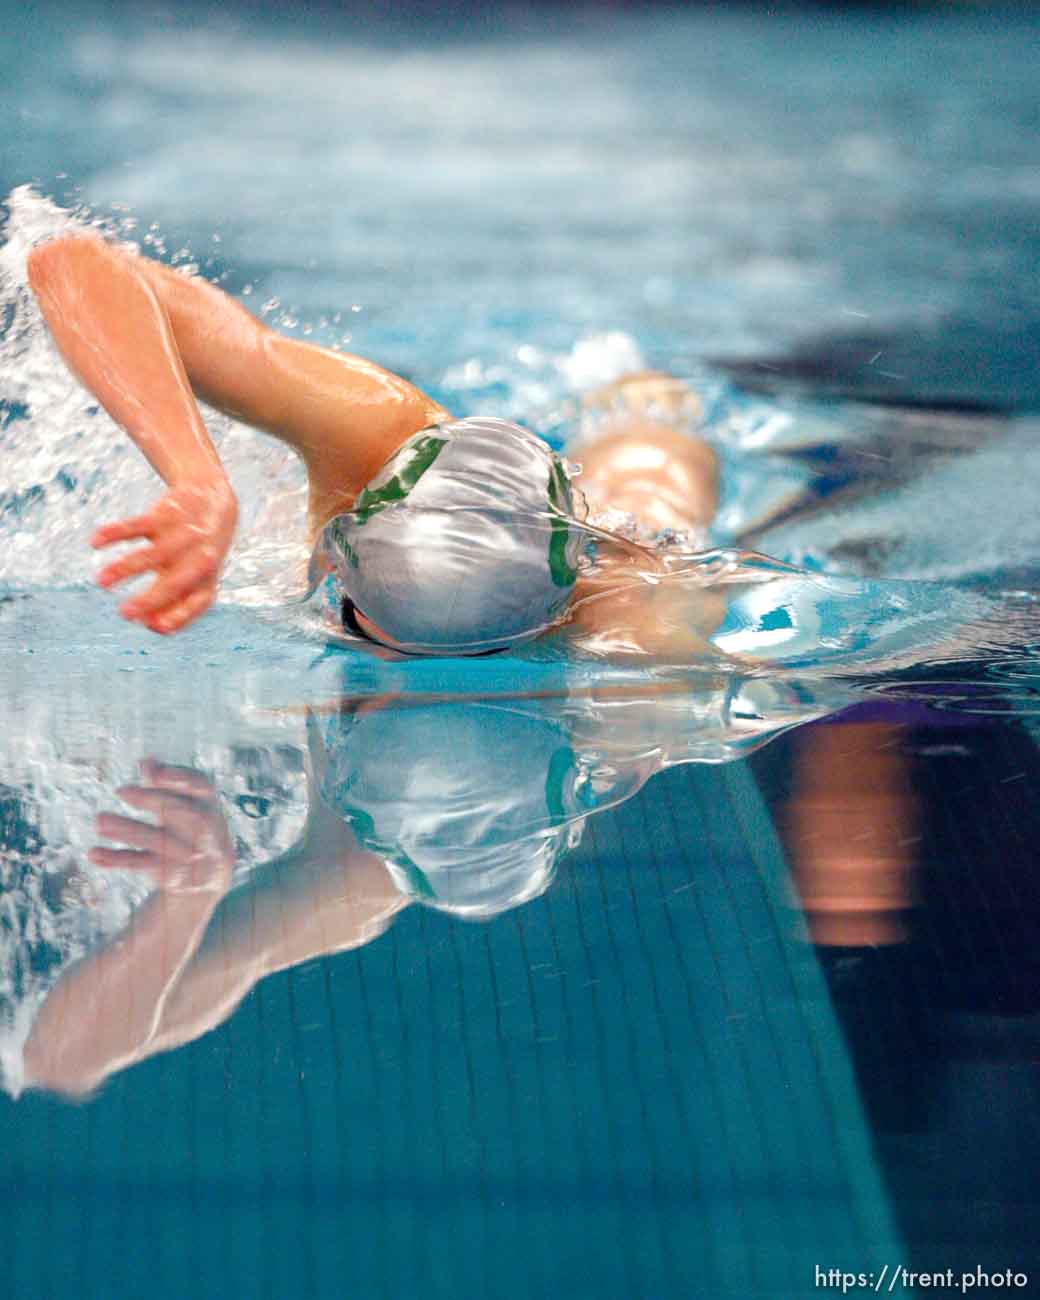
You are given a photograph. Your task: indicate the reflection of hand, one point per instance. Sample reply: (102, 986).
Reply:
(189, 531)
(189, 851)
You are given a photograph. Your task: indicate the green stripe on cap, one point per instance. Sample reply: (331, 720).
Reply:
(560, 766)
(418, 458)
(563, 572)
(337, 533)
(415, 881)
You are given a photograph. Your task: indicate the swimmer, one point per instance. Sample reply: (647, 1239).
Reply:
(446, 535)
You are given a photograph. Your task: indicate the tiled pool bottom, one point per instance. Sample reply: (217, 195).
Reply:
(632, 1086)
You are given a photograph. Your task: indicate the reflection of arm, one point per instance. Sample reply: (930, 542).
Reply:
(104, 1012)
(191, 954)
(161, 984)
(304, 907)
(324, 895)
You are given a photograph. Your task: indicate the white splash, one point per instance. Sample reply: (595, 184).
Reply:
(67, 467)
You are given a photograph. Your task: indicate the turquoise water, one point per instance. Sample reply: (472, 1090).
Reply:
(529, 974)
(490, 1107)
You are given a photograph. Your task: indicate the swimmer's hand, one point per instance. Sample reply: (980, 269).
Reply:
(189, 532)
(189, 848)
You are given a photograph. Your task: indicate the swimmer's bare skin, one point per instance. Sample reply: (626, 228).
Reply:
(640, 464)
(146, 340)
(191, 953)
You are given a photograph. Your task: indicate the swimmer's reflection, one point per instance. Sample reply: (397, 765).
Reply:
(464, 806)
(195, 948)
(851, 832)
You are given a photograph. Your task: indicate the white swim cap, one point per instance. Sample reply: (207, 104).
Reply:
(464, 541)
(470, 804)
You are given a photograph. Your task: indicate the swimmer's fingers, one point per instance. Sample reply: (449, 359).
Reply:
(180, 780)
(191, 530)
(122, 859)
(158, 840)
(186, 611)
(126, 530)
(155, 799)
(189, 851)
(193, 574)
(182, 813)
(142, 560)
(144, 863)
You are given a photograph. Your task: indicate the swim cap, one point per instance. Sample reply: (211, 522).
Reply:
(464, 541)
(469, 803)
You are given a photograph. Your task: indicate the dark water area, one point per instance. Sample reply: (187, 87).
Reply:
(911, 838)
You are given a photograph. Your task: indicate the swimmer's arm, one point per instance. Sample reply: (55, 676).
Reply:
(345, 415)
(302, 907)
(116, 336)
(113, 331)
(162, 984)
(103, 1014)
(143, 337)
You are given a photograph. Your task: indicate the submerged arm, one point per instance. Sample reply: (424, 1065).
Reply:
(193, 952)
(105, 1012)
(300, 908)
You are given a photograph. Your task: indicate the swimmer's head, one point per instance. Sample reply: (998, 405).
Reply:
(470, 804)
(464, 542)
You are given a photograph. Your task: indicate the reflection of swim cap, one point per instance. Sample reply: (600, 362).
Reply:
(470, 803)
(464, 540)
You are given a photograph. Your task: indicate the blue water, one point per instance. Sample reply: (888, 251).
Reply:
(523, 974)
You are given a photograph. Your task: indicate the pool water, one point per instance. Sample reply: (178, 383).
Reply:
(552, 972)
